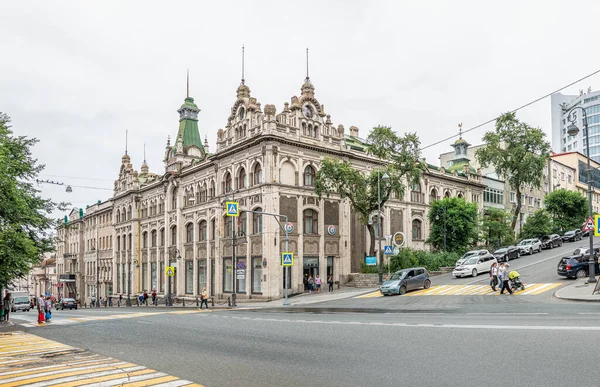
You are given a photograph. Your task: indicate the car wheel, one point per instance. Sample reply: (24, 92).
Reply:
(518, 254)
(530, 251)
(474, 272)
(581, 273)
(506, 259)
(402, 290)
(427, 284)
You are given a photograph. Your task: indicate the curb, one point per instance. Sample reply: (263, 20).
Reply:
(573, 298)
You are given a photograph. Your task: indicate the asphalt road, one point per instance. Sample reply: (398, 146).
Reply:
(226, 348)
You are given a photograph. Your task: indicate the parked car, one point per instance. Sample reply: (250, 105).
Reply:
(530, 246)
(66, 303)
(471, 254)
(505, 254)
(577, 264)
(551, 241)
(572, 236)
(585, 233)
(406, 280)
(474, 265)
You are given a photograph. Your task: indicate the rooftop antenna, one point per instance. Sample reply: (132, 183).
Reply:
(243, 53)
(126, 132)
(188, 84)
(307, 77)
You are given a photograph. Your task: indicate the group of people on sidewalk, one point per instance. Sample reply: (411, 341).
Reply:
(44, 308)
(314, 284)
(499, 276)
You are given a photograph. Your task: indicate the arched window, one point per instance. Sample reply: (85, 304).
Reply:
(189, 233)
(202, 231)
(129, 242)
(237, 133)
(242, 223)
(309, 176)
(162, 236)
(118, 242)
(244, 132)
(129, 213)
(447, 194)
(153, 237)
(415, 194)
(257, 222)
(174, 199)
(304, 128)
(227, 185)
(257, 174)
(433, 196)
(241, 179)
(227, 225)
(460, 195)
(309, 133)
(316, 133)
(124, 243)
(173, 235)
(311, 222)
(118, 216)
(416, 230)
(212, 189)
(213, 229)
(145, 239)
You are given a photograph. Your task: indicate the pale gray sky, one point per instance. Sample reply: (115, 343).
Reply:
(77, 74)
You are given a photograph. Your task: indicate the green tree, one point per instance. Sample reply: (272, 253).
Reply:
(519, 154)
(459, 221)
(399, 160)
(537, 225)
(568, 209)
(495, 227)
(25, 224)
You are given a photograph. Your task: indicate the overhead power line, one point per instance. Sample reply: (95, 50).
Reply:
(512, 111)
(76, 177)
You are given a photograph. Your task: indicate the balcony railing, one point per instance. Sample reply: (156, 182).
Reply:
(417, 197)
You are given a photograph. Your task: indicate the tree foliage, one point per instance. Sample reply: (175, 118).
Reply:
(519, 154)
(399, 160)
(568, 209)
(537, 225)
(24, 214)
(495, 227)
(459, 220)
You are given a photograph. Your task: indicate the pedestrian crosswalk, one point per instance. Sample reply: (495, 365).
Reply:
(76, 320)
(471, 290)
(28, 360)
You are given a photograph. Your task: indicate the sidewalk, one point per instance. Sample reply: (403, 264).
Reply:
(323, 296)
(578, 291)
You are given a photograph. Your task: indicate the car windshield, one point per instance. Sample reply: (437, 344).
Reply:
(21, 299)
(570, 233)
(468, 254)
(526, 242)
(398, 275)
(500, 251)
(471, 261)
(68, 300)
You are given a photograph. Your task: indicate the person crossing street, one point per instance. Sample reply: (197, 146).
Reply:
(505, 280)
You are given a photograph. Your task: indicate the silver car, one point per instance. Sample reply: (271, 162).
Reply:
(472, 254)
(530, 246)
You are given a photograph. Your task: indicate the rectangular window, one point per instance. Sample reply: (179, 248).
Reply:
(189, 277)
(531, 201)
(153, 280)
(554, 173)
(161, 277)
(144, 276)
(201, 275)
(118, 279)
(227, 273)
(124, 278)
(241, 283)
(512, 197)
(257, 273)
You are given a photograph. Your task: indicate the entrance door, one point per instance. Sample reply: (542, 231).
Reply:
(310, 268)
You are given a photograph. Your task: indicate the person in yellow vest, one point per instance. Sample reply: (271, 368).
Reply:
(204, 298)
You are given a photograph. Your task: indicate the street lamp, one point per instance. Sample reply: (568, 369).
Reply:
(572, 130)
(177, 255)
(437, 217)
(385, 178)
(233, 257)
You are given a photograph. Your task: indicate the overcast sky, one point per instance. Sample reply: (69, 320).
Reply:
(77, 74)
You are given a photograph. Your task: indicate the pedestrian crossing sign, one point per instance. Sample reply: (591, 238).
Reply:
(388, 250)
(233, 208)
(287, 259)
(170, 271)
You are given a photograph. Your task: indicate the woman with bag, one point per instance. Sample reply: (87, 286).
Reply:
(40, 307)
(494, 276)
(6, 306)
(48, 309)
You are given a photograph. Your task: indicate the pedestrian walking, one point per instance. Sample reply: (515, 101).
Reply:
(494, 276)
(120, 299)
(318, 283)
(140, 299)
(40, 308)
(6, 305)
(145, 298)
(311, 284)
(505, 280)
(330, 283)
(204, 298)
(154, 299)
(499, 272)
(48, 305)
(109, 300)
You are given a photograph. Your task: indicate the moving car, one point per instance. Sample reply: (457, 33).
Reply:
(505, 254)
(551, 241)
(530, 246)
(577, 264)
(471, 254)
(20, 301)
(67, 303)
(572, 236)
(474, 265)
(405, 280)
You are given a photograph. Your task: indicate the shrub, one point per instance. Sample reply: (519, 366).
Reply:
(431, 261)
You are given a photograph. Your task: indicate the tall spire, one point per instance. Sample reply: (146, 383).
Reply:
(243, 78)
(307, 77)
(460, 130)
(126, 132)
(187, 94)
(144, 152)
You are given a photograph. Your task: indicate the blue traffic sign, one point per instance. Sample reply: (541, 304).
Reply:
(388, 250)
(287, 259)
(233, 208)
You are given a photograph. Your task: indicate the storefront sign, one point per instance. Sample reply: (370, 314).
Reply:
(331, 229)
(371, 260)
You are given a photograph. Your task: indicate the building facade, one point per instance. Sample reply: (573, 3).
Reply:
(574, 164)
(267, 162)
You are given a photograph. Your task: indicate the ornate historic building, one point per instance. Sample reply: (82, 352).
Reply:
(267, 162)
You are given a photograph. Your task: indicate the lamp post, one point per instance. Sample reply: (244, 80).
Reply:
(233, 257)
(572, 130)
(385, 178)
(169, 295)
(437, 217)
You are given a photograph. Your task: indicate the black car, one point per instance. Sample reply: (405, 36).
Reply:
(505, 254)
(577, 264)
(551, 241)
(572, 236)
(66, 303)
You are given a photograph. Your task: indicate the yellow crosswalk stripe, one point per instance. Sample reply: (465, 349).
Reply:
(24, 361)
(471, 290)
